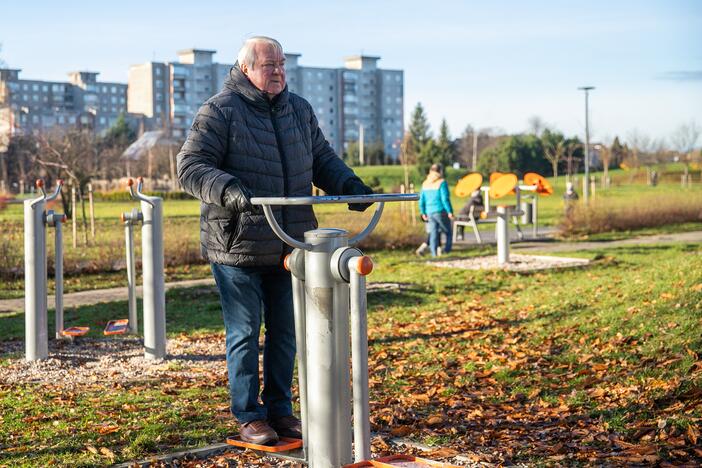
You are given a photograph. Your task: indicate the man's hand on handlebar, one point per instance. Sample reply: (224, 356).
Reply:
(238, 198)
(354, 186)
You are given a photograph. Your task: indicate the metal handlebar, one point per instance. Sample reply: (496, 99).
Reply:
(138, 195)
(39, 184)
(267, 202)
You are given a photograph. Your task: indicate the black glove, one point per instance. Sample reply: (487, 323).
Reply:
(238, 198)
(354, 186)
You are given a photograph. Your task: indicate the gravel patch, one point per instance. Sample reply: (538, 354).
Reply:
(517, 262)
(89, 361)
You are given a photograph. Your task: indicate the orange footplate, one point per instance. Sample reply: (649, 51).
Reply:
(116, 327)
(75, 331)
(283, 445)
(406, 461)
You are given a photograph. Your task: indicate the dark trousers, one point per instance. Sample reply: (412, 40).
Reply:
(248, 296)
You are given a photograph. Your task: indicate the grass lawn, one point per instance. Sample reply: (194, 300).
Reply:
(597, 365)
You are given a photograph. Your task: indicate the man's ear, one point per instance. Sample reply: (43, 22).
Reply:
(245, 69)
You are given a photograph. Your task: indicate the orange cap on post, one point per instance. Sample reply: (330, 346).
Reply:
(130, 182)
(286, 265)
(39, 183)
(364, 265)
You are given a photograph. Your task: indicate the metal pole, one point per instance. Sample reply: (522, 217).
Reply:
(92, 211)
(586, 183)
(361, 155)
(55, 220)
(35, 306)
(535, 214)
(129, 220)
(359, 353)
(73, 216)
(502, 235)
(331, 435)
(298, 290)
(154, 287)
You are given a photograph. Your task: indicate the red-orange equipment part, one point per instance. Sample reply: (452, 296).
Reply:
(75, 331)
(495, 175)
(116, 327)
(468, 184)
(285, 444)
(543, 187)
(503, 185)
(406, 461)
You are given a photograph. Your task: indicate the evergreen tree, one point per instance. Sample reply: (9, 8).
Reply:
(429, 154)
(448, 151)
(419, 130)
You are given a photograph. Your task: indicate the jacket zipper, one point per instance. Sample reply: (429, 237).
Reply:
(285, 178)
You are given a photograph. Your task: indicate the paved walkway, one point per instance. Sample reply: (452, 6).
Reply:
(544, 244)
(97, 296)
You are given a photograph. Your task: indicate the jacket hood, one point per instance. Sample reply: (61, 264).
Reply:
(238, 83)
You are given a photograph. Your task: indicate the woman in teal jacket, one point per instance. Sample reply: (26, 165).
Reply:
(435, 208)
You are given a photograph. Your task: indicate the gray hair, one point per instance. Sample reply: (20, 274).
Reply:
(247, 54)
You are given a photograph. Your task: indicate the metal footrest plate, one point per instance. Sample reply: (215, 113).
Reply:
(75, 331)
(283, 445)
(116, 327)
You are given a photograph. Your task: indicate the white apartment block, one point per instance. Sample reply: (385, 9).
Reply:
(39, 106)
(344, 99)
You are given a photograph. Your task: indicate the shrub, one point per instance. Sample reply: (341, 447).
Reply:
(624, 215)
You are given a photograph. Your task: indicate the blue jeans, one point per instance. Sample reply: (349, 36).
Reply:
(248, 295)
(438, 223)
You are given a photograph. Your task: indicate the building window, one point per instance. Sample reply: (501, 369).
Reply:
(103, 121)
(35, 97)
(45, 88)
(104, 89)
(25, 87)
(114, 90)
(35, 87)
(158, 71)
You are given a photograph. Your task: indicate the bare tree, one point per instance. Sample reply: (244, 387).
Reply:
(554, 152)
(570, 149)
(606, 155)
(684, 140)
(639, 144)
(536, 125)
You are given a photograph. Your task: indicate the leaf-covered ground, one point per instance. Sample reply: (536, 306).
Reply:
(592, 366)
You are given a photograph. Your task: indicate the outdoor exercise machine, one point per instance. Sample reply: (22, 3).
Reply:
(527, 209)
(154, 291)
(36, 219)
(328, 283)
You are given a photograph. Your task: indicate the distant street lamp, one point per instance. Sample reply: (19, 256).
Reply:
(586, 181)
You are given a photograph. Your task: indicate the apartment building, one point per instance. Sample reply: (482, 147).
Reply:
(83, 101)
(359, 94)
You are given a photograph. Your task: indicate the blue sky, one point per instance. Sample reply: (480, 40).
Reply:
(488, 64)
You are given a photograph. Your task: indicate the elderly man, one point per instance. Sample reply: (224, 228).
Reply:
(255, 138)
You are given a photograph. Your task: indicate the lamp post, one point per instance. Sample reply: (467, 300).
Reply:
(586, 181)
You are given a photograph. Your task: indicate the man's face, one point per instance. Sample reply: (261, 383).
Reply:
(268, 73)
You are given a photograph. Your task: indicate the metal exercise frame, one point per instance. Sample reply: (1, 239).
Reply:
(328, 279)
(35, 272)
(154, 291)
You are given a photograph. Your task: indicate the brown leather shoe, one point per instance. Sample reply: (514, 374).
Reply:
(287, 426)
(258, 432)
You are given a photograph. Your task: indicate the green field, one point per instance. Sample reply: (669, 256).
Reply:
(597, 365)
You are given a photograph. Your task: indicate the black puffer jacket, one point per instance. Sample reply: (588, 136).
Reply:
(275, 148)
